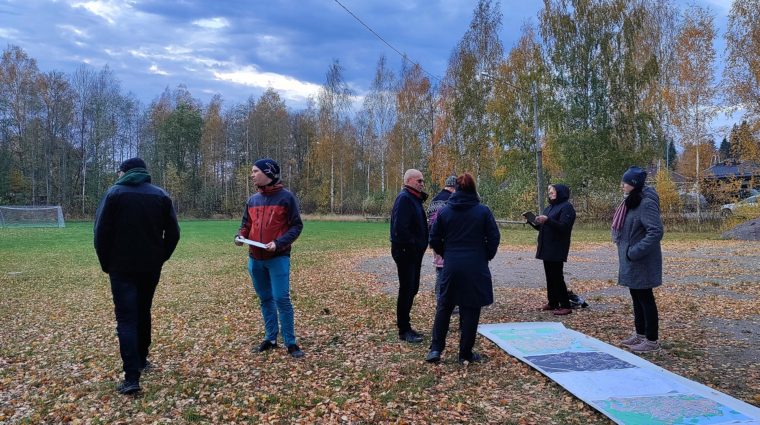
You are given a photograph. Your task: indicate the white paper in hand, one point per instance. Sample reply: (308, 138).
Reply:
(250, 242)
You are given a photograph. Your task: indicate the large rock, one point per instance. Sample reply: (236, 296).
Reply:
(747, 231)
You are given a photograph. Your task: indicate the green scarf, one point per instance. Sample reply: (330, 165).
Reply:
(134, 177)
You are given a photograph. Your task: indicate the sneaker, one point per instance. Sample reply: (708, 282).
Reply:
(632, 340)
(576, 301)
(295, 351)
(562, 311)
(411, 337)
(266, 345)
(128, 387)
(474, 358)
(646, 346)
(148, 367)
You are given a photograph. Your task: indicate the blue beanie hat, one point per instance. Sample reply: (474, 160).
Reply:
(451, 181)
(132, 163)
(270, 168)
(635, 177)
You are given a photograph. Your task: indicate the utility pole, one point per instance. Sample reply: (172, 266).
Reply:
(699, 195)
(696, 180)
(539, 159)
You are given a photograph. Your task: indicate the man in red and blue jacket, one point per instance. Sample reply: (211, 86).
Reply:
(271, 217)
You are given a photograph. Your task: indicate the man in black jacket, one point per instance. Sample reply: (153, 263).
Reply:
(136, 231)
(409, 240)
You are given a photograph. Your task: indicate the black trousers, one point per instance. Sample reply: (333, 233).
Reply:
(132, 299)
(556, 289)
(645, 316)
(468, 325)
(408, 263)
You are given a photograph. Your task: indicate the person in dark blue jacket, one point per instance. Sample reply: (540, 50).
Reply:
(136, 231)
(409, 240)
(466, 235)
(436, 204)
(555, 226)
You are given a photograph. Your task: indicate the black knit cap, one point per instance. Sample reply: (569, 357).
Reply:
(451, 181)
(270, 168)
(132, 163)
(635, 177)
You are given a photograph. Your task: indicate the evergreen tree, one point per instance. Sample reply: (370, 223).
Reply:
(725, 149)
(672, 155)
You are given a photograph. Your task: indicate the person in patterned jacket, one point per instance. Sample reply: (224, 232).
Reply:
(432, 213)
(271, 217)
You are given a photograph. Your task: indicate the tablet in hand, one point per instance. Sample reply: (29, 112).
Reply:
(530, 217)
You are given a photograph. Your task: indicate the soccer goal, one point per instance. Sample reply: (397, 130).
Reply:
(31, 216)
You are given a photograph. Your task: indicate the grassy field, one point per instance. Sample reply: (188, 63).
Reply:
(59, 354)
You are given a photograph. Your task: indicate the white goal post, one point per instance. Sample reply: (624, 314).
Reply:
(31, 216)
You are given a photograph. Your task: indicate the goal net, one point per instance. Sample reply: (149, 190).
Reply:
(31, 216)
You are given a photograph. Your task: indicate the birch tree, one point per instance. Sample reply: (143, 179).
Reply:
(334, 102)
(467, 86)
(742, 71)
(692, 100)
(381, 109)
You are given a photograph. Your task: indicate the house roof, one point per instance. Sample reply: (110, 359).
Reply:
(733, 169)
(675, 177)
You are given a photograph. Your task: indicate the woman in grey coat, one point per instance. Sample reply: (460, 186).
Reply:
(637, 231)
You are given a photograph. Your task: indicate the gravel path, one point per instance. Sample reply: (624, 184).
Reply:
(702, 270)
(517, 268)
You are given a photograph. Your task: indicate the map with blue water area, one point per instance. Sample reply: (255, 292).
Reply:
(681, 409)
(626, 388)
(543, 341)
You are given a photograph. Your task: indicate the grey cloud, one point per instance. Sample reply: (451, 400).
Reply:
(157, 44)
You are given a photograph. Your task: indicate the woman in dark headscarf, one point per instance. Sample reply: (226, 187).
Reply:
(637, 231)
(466, 235)
(554, 228)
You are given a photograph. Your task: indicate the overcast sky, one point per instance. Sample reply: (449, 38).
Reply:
(238, 48)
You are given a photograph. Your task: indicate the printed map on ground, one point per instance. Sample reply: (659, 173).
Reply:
(624, 387)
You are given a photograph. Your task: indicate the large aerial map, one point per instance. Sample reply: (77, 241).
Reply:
(626, 388)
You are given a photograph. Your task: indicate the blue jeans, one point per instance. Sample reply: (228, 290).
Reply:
(271, 281)
(132, 299)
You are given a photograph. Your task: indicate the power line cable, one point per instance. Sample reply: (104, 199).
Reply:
(404, 56)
